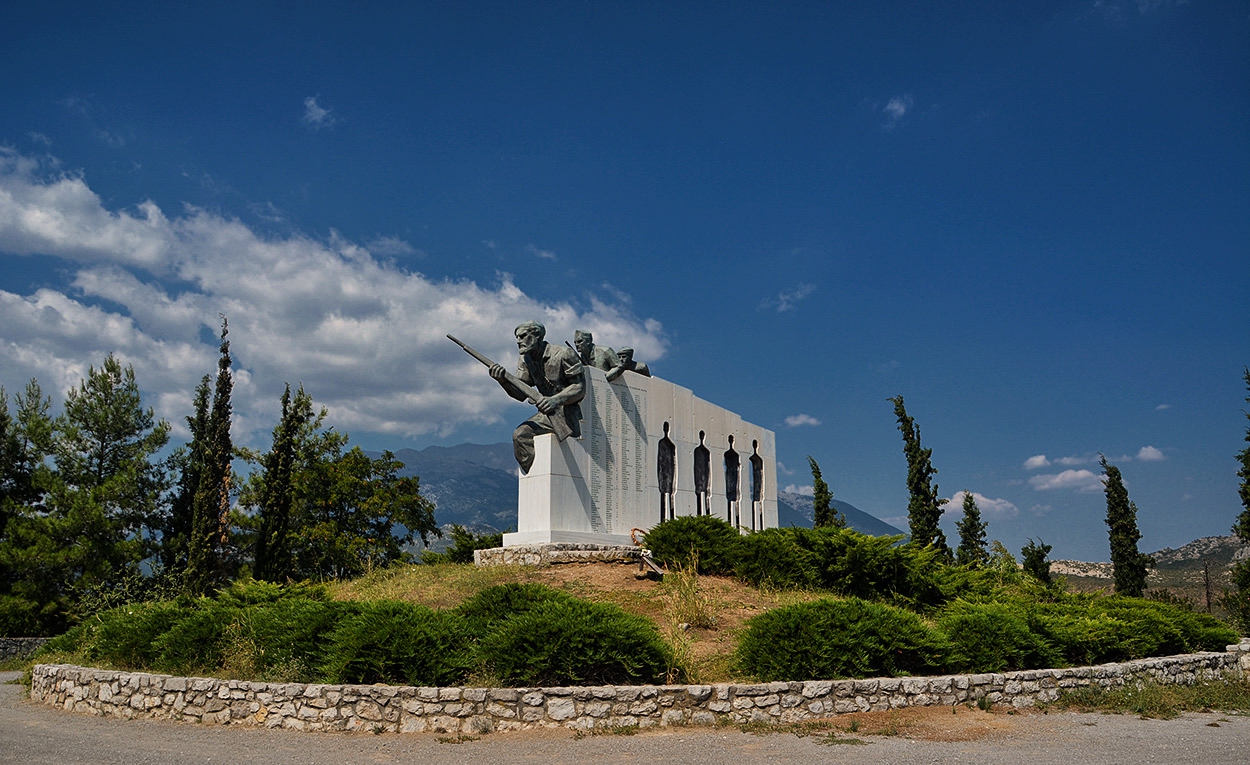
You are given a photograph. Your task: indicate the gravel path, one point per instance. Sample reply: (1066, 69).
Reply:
(37, 735)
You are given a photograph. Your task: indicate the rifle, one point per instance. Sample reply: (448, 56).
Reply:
(559, 424)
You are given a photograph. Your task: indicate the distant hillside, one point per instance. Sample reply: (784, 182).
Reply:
(475, 485)
(796, 510)
(1179, 570)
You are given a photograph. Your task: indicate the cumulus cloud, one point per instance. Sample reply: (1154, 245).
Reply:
(1150, 454)
(1036, 462)
(1083, 481)
(316, 115)
(802, 490)
(1162, 407)
(896, 109)
(365, 337)
(798, 420)
(786, 300)
(991, 509)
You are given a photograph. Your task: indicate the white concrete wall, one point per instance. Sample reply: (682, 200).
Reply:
(597, 488)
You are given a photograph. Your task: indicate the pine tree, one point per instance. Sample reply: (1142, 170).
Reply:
(210, 527)
(924, 507)
(1130, 565)
(94, 512)
(823, 513)
(971, 550)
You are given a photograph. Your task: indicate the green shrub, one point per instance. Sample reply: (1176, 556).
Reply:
(253, 592)
(125, 636)
(195, 643)
(715, 543)
(829, 639)
(774, 557)
(1093, 630)
(27, 617)
(398, 643)
(574, 642)
(492, 606)
(288, 636)
(993, 637)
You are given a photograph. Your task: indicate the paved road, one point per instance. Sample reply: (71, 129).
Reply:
(36, 735)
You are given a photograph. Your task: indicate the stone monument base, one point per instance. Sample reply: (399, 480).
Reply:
(544, 554)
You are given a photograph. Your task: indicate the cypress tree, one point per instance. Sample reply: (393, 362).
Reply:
(823, 513)
(206, 559)
(1130, 565)
(924, 508)
(1237, 602)
(176, 535)
(971, 550)
(1034, 560)
(1242, 527)
(276, 494)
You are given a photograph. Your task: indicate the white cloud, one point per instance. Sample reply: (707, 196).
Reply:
(316, 115)
(1036, 462)
(1150, 454)
(1082, 481)
(797, 420)
(64, 218)
(1162, 407)
(1069, 461)
(1039, 510)
(782, 469)
(804, 490)
(991, 509)
(896, 109)
(365, 337)
(786, 300)
(544, 254)
(390, 245)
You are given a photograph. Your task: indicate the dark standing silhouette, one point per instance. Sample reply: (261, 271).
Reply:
(702, 477)
(757, 487)
(666, 468)
(733, 471)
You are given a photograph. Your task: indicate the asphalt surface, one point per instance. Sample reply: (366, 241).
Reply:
(34, 734)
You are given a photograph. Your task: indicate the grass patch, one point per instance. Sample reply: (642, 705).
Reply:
(1230, 695)
(443, 585)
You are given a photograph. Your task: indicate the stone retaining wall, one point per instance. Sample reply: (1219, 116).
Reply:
(556, 552)
(20, 647)
(378, 708)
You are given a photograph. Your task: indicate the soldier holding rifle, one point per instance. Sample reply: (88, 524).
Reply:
(548, 376)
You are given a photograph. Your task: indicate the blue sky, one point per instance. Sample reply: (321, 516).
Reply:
(1029, 219)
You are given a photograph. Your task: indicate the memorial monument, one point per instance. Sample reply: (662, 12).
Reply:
(603, 457)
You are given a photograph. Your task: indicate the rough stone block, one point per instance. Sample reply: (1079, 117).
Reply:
(815, 688)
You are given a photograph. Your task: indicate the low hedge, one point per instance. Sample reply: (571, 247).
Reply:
(830, 639)
(525, 634)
